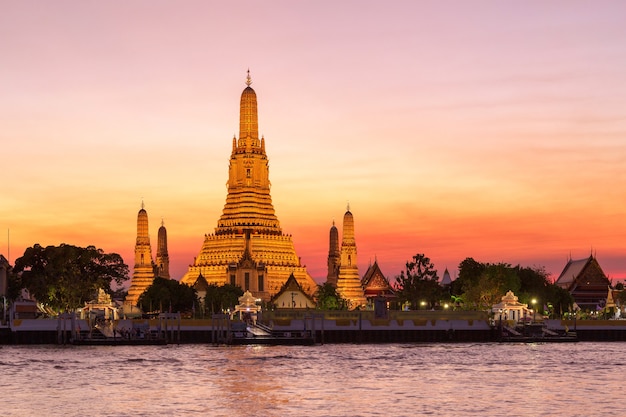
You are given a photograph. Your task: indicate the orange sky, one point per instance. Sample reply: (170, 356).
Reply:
(492, 130)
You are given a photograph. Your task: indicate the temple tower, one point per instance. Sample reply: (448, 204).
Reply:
(334, 256)
(143, 273)
(162, 260)
(248, 247)
(348, 280)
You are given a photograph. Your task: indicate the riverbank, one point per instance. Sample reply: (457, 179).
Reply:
(320, 327)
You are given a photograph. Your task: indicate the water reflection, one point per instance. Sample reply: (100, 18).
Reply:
(329, 380)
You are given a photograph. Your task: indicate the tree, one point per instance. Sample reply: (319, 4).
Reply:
(66, 276)
(329, 299)
(222, 297)
(168, 294)
(560, 299)
(484, 284)
(419, 282)
(469, 272)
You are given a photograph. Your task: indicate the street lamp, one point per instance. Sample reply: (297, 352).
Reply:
(533, 302)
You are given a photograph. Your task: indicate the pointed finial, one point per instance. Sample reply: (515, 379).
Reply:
(142, 205)
(248, 79)
(162, 222)
(348, 207)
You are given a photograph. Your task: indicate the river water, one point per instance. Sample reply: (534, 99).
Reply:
(568, 379)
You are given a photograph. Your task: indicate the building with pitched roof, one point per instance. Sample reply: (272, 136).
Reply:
(586, 282)
(376, 285)
(446, 281)
(292, 296)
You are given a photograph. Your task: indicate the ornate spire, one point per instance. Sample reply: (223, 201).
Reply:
(143, 236)
(248, 117)
(162, 259)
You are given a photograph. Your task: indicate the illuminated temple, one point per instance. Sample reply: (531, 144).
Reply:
(248, 247)
(145, 269)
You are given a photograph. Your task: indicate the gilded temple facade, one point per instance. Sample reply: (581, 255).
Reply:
(248, 247)
(348, 281)
(143, 271)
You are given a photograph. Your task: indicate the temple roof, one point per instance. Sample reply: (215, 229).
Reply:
(446, 280)
(375, 284)
(292, 285)
(572, 270)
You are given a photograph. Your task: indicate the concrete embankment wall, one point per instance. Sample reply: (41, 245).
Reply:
(392, 327)
(593, 330)
(328, 327)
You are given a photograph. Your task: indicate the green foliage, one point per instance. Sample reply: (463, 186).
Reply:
(219, 298)
(67, 276)
(328, 298)
(168, 295)
(419, 283)
(481, 285)
(560, 299)
(482, 291)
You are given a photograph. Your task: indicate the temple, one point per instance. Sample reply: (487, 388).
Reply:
(348, 281)
(334, 256)
(248, 247)
(162, 260)
(586, 282)
(143, 272)
(145, 269)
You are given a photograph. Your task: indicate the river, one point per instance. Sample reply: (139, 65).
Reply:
(567, 379)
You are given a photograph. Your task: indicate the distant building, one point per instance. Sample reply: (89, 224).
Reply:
(586, 282)
(446, 281)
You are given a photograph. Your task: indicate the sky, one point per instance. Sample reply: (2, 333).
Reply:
(487, 129)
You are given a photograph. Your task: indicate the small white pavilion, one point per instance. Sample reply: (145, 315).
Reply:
(247, 307)
(511, 309)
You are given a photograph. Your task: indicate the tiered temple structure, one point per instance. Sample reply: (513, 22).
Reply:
(248, 247)
(348, 280)
(334, 256)
(143, 272)
(162, 261)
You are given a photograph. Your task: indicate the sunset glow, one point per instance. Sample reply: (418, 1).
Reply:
(492, 130)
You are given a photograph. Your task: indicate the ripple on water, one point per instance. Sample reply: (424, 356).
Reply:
(328, 380)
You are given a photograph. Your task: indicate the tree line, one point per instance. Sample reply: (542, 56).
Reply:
(65, 277)
(479, 286)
